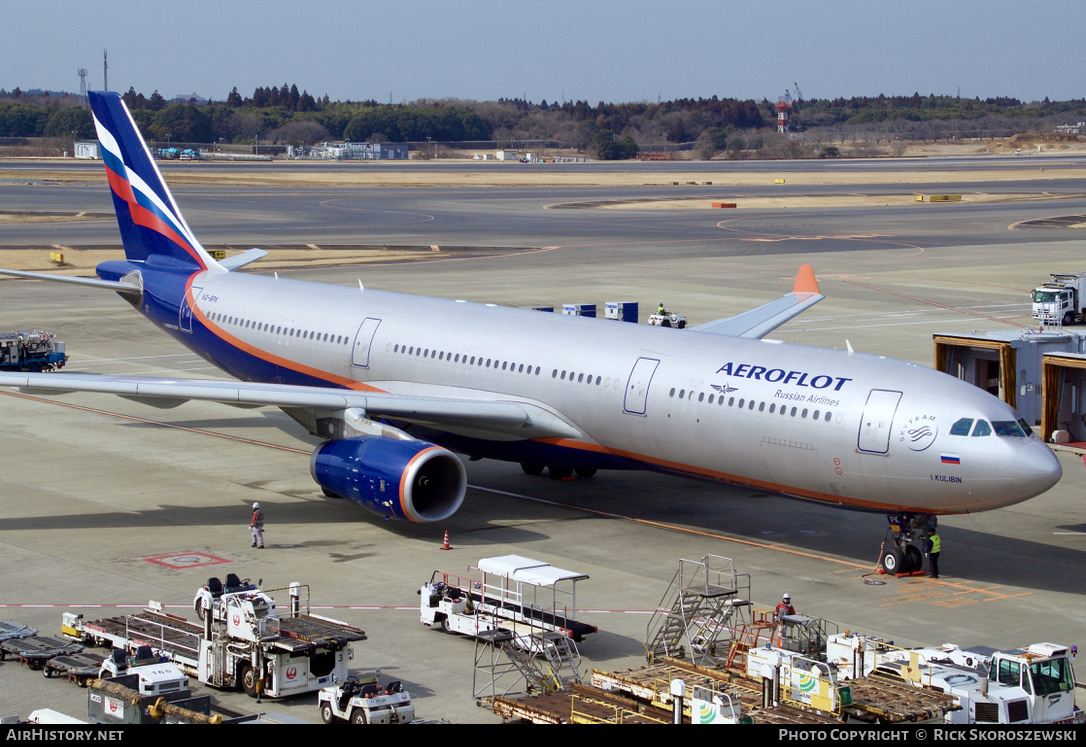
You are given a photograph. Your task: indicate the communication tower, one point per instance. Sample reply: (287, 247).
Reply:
(783, 105)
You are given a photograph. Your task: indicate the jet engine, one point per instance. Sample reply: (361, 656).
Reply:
(401, 479)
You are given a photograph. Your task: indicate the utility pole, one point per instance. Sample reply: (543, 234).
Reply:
(105, 69)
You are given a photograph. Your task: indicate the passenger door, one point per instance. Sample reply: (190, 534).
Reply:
(877, 421)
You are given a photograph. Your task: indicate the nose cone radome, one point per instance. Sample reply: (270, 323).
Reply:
(1036, 469)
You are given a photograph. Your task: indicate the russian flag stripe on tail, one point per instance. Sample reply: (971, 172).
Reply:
(152, 227)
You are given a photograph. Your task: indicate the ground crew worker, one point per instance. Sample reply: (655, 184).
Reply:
(935, 546)
(661, 311)
(256, 526)
(784, 608)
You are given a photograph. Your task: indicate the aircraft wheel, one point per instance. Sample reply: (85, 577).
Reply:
(530, 468)
(560, 473)
(585, 472)
(893, 561)
(914, 559)
(326, 713)
(358, 716)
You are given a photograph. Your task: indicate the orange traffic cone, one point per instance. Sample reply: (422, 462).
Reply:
(445, 545)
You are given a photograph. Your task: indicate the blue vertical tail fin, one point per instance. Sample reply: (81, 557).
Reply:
(152, 227)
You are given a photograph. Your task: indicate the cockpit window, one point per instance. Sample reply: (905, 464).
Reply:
(982, 428)
(1026, 427)
(961, 428)
(1007, 428)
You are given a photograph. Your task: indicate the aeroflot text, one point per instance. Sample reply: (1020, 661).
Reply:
(780, 376)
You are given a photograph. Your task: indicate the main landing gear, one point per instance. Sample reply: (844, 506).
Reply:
(906, 542)
(558, 473)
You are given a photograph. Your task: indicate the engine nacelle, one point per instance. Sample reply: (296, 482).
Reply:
(412, 480)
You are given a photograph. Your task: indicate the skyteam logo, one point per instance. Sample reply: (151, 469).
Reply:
(919, 432)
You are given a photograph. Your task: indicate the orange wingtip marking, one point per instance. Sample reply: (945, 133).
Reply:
(805, 281)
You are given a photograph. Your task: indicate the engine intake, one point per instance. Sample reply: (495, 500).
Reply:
(412, 480)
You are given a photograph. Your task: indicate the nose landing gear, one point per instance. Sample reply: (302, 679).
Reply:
(905, 543)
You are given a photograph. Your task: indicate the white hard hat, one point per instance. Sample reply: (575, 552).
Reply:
(787, 595)
(256, 506)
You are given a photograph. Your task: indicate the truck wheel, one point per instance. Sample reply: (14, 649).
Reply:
(446, 625)
(358, 716)
(1068, 318)
(47, 672)
(326, 713)
(248, 680)
(892, 561)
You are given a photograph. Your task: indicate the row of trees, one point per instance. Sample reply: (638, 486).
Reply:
(710, 126)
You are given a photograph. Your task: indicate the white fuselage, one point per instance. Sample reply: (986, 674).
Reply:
(847, 428)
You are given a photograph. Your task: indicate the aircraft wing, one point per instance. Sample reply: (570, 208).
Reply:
(759, 322)
(518, 419)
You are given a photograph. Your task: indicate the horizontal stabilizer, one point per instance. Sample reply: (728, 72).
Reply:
(240, 260)
(114, 285)
(757, 323)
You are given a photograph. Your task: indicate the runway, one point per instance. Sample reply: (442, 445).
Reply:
(93, 497)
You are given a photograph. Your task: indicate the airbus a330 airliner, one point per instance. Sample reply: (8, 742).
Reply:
(396, 383)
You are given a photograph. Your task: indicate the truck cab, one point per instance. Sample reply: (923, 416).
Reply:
(1035, 685)
(1061, 300)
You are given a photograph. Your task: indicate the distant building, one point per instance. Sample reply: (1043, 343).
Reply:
(89, 149)
(360, 151)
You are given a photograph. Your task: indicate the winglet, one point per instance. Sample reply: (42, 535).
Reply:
(805, 281)
(759, 322)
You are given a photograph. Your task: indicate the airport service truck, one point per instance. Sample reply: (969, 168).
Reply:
(1034, 685)
(524, 596)
(240, 644)
(31, 350)
(1061, 300)
(366, 701)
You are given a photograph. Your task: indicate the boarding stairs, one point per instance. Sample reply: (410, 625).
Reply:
(703, 604)
(505, 665)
